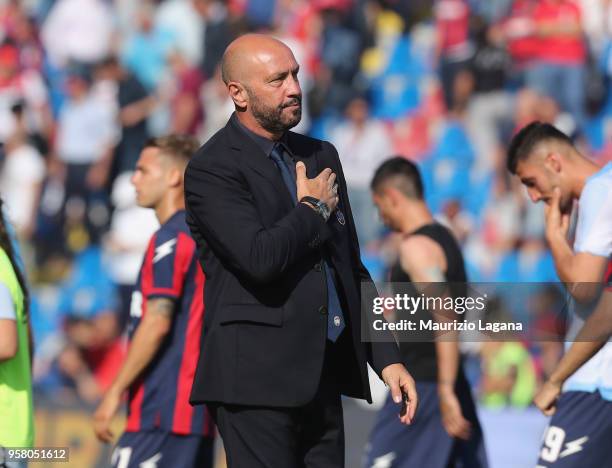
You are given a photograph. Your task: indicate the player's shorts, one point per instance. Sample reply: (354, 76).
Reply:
(425, 443)
(579, 433)
(161, 449)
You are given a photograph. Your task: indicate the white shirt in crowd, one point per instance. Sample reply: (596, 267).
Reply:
(361, 151)
(187, 26)
(86, 129)
(130, 231)
(78, 30)
(23, 168)
(30, 88)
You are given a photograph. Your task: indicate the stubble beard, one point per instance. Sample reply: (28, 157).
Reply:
(273, 119)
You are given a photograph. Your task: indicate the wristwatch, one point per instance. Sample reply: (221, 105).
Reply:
(319, 206)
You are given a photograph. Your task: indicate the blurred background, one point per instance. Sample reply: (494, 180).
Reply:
(446, 83)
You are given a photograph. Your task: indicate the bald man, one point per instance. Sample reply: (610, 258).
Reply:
(282, 336)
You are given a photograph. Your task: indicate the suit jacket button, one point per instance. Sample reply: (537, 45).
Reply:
(318, 266)
(323, 310)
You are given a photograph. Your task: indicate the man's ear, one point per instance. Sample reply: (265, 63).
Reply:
(175, 177)
(238, 94)
(553, 162)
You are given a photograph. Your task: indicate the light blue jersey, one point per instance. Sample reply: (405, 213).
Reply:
(594, 236)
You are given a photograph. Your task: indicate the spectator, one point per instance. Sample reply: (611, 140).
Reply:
(519, 32)
(490, 107)
(561, 57)
(341, 48)
(26, 89)
(185, 20)
(145, 51)
(91, 352)
(78, 31)
(454, 47)
(218, 103)
(362, 144)
(217, 36)
(25, 37)
(509, 377)
(135, 105)
(21, 179)
(186, 104)
(86, 137)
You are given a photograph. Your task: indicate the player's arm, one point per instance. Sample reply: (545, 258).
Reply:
(592, 337)
(9, 343)
(424, 260)
(146, 342)
(147, 339)
(582, 272)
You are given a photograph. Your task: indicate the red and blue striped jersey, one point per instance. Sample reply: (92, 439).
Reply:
(159, 398)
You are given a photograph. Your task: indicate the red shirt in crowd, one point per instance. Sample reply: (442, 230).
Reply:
(519, 28)
(560, 48)
(453, 25)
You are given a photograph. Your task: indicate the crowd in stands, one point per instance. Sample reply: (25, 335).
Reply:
(85, 83)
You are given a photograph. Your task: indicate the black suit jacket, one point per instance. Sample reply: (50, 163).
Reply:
(265, 326)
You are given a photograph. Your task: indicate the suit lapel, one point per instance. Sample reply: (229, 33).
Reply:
(310, 161)
(256, 159)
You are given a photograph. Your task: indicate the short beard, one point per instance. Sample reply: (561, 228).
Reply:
(271, 118)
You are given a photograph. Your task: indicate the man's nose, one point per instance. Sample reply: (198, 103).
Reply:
(534, 195)
(293, 86)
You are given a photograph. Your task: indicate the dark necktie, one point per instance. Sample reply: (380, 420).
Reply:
(277, 156)
(335, 317)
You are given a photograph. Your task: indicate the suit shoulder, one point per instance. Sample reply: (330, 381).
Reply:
(308, 143)
(212, 150)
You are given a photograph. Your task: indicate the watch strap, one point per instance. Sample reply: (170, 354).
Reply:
(312, 200)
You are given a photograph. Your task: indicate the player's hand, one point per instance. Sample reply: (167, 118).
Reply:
(323, 187)
(546, 398)
(105, 414)
(397, 378)
(452, 416)
(557, 223)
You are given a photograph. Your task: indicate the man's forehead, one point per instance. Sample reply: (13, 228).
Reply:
(152, 156)
(531, 161)
(522, 166)
(280, 59)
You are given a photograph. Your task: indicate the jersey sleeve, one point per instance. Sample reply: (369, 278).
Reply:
(594, 229)
(166, 264)
(7, 307)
